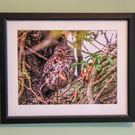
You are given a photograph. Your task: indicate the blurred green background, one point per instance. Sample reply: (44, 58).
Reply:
(68, 6)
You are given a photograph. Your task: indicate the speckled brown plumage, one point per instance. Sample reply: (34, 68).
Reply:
(59, 62)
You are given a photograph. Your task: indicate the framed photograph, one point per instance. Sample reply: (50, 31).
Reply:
(67, 67)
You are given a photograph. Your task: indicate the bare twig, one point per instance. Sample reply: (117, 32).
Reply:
(113, 69)
(21, 67)
(61, 94)
(20, 37)
(44, 44)
(101, 43)
(38, 98)
(90, 93)
(104, 44)
(103, 50)
(22, 89)
(105, 35)
(58, 92)
(33, 51)
(84, 52)
(21, 51)
(85, 47)
(106, 86)
(27, 65)
(79, 102)
(68, 87)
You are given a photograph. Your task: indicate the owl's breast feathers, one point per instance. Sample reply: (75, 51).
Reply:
(55, 65)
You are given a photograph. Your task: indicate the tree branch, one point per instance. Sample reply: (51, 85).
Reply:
(113, 69)
(42, 45)
(90, 93)
(33, 51)
(21, 67)
(103, 89)
(38, 98)
(103, 50)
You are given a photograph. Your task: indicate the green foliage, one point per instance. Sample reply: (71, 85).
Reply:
(57, 33)
(98, 67)
(82, 62)
(96, 58)
(74, 65)
(26, 73)
(88, 60)
(21, 32)
(85, 65)
(19, 83)
(90, 64)
(90, 40)
(110, 60)
(107, 58)
(82, 35)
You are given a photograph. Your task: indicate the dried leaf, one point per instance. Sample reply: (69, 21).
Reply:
(83, 75)
(89, 68)
(62, 77)
(75, 95)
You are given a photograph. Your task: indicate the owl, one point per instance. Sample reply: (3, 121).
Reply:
(59, 63)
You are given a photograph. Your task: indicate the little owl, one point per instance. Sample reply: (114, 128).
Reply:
(59, 63)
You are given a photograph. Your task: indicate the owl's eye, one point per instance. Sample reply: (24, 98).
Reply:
(59, 51)
(67, 52)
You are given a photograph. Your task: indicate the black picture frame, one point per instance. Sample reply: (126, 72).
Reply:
(129, 17)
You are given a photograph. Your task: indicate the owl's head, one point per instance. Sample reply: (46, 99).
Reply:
(63, 50)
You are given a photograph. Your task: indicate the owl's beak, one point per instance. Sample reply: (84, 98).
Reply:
(63, 53)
